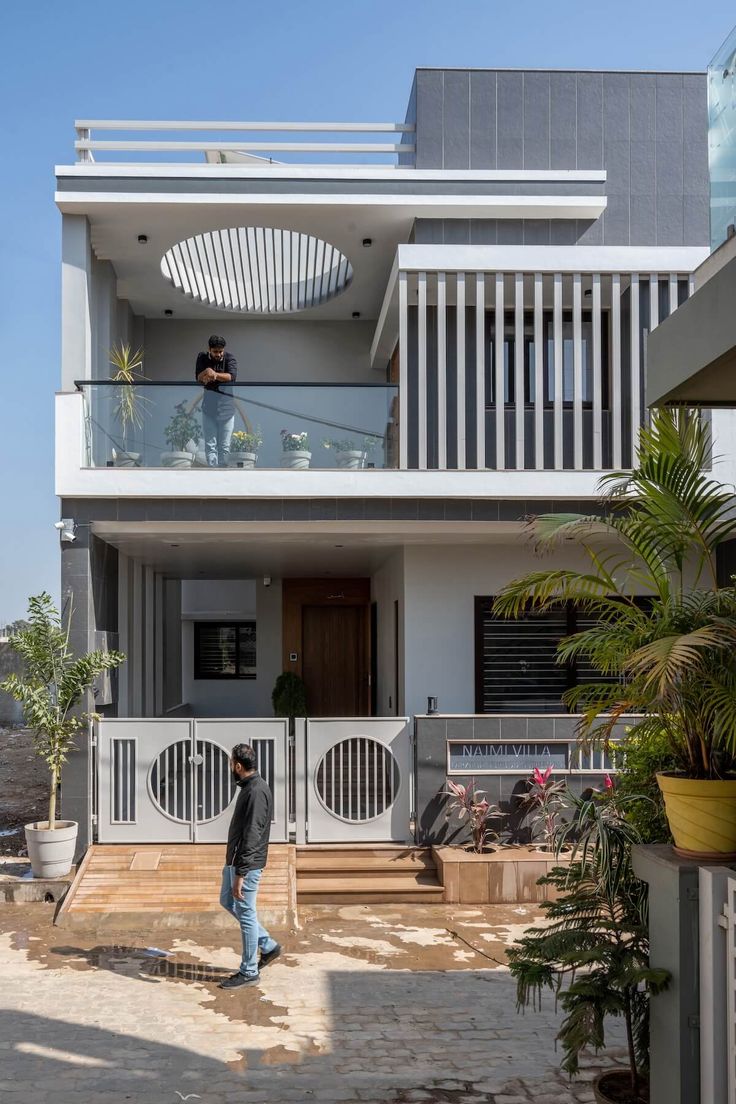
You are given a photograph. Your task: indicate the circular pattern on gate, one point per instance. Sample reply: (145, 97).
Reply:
(358, 779)
(170, 781)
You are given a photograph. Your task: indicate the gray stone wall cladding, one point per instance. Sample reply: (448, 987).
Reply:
(432, 734)
(11, 713)
(647, 130)
(89, 591)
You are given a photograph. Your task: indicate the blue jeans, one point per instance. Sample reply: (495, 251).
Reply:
(217, 436)
(255, 937)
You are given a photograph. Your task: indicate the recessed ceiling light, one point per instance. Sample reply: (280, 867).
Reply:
(168, 312)
(367, 243)
(173, 546)
(143, 238)
(339, 546)
(356, 314)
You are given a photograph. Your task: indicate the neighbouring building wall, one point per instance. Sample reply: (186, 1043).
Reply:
(647, 130)
(387, 589)
(282, 351)
(11, 711)
(232, 600)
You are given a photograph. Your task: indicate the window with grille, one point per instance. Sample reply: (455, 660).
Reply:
(224, 650)
(516, 659)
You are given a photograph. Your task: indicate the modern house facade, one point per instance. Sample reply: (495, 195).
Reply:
(458, 318)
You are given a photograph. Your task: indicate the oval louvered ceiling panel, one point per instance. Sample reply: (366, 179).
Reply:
(257, 270)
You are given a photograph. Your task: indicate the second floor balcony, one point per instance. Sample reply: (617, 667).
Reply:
(240, 426)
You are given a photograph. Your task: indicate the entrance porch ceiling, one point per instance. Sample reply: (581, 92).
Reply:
(243, 550)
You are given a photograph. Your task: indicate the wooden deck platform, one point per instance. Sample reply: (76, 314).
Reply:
(167, 885)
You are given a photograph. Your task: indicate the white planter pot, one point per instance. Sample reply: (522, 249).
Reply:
(352, 459)
(51, 851)
(242, 460)
(127, 459)
(295, 459)
(177, 459)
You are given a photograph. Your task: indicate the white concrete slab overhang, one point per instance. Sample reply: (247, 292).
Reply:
(243, 550)
(343, 206)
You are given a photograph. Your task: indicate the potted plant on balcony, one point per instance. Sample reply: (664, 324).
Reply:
(671, 659)
(49, 689)
(593, 950)
(295, 447)
(182, 436)
(347, 453)
(244, 446)
(129, 403)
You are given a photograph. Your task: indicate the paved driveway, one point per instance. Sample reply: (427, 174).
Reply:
(390, 1004)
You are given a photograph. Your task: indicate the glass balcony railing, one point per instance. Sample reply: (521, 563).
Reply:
(158, 425)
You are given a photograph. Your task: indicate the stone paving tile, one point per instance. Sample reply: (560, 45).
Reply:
(365, 1005)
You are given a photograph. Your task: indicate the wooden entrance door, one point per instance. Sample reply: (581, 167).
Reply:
(334, 660)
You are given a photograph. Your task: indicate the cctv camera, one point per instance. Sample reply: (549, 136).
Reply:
(58, 525)
(267, 580)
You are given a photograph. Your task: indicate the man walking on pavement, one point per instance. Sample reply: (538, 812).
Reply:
(247, 851)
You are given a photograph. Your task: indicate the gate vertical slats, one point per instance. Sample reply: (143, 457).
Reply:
(358, 764)
(375, 779)
(350, 779)
(213, 806)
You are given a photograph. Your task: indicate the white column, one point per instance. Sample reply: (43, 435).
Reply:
(597, 374)
(135, 651)
(557, 347)
(538, 371)
(480, 370)
(460, 369)
(158, 633)
(403, 373)
(499, 381)
(519, 367)
(149, 643)
(123, 635)
(76, 294)
(422, 369)
(577, 367)
(635, 365)
(616, 369)
(441, 371)
(673, 291)
(653, 301)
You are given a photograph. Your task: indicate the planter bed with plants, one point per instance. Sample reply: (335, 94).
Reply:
(507, 876)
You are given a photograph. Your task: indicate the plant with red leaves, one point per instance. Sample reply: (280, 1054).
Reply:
(469, 803)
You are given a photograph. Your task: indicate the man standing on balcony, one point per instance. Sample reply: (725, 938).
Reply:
(247, 851)
(218, 408)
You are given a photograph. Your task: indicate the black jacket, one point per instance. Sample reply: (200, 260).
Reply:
(250, 828)
(218, 404)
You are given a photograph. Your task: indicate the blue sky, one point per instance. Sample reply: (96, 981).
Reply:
(221, 59)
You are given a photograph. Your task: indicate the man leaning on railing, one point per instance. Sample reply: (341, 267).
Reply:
(218, 408)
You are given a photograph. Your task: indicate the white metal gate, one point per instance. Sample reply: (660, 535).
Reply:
(359, 780)
(169, 781)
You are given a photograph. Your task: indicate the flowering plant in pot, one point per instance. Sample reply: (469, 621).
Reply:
(469, 804)
(295, 447)
(244, 446)
(182, 432)
(50, 689)
(671, 657)
(593, 950)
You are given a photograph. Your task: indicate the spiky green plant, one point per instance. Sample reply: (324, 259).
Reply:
(672, 659)
(52, 685)
(593, 952)
(129, 404)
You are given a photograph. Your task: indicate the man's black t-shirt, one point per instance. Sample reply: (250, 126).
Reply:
(216, 404)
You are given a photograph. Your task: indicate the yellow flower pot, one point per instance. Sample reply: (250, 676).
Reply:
(701, 815)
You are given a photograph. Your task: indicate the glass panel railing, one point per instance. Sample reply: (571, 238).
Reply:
(154, 425)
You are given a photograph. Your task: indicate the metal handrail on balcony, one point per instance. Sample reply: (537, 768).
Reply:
(241, 150)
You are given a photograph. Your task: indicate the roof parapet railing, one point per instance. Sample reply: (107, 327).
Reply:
(217, 150)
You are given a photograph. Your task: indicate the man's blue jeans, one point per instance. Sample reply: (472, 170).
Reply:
(255, 937)
(217, 435)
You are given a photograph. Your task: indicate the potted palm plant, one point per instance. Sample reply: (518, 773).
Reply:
(50, 689)
(244, 446)
(671, 658)
(295, 447)
(182, 436)
(593, 950)
(129, 403)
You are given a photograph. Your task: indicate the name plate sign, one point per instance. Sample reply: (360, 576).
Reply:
(489, 756)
